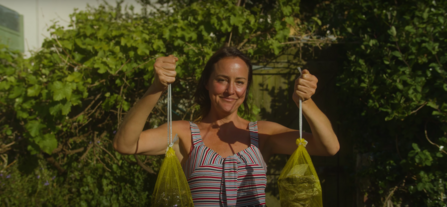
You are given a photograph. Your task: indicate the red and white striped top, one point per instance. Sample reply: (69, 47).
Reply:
(237, 180)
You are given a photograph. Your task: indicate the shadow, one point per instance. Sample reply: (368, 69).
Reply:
(27, 164)
(237, 139)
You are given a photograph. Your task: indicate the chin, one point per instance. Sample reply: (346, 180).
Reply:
(227, 109)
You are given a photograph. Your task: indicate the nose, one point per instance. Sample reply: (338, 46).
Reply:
(230, 88)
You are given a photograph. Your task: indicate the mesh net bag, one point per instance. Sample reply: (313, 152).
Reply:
(298, 182)
(171, 188)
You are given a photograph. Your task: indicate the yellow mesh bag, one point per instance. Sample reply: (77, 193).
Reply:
(298, 182)
(171, 188)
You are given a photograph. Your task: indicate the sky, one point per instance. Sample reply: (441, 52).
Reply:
(38, 15)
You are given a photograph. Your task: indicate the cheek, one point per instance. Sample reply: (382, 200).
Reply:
(217, 88)
(241, 91)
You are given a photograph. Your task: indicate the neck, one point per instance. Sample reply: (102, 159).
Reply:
(215, 118)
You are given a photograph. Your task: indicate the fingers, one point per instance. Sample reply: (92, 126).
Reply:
(305, 86)
(165, 69)
(166, 62)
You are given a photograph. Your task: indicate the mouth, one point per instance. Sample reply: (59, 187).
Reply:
(228, 99)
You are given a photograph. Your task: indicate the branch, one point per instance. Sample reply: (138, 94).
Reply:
(231, 33)
(140, 65)
(57, 51)
(439, 147)
(398, 48)
(95, 108)
(192, 47)
(246, 40)
(420, 107)
(55, 164)
(392, 192)
(8, 165)
(66, 53)
(89, 86)
(88, 107)
(385, 203)
(108, 153)
(5, 147)
(74, 151)
(103, 164)
(145, 167)
(86, 152)
(122, 66)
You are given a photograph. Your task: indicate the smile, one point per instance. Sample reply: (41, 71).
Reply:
(228, 99)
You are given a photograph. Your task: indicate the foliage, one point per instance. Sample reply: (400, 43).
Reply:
(394, 85)
(61, 107)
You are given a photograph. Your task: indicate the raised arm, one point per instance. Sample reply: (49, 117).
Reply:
(130, 134)
(322, 141)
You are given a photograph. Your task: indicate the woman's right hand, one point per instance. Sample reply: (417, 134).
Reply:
(165, 71)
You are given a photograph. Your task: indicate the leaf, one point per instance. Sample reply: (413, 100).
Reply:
(415, 147)
(55, 109)
(289, 20)
(432, 103)
(410, 29)
(47, 143)
(392, 31)
(425, 14)
(16, 92)
(397, 54)
(22, 114)
(317, 20)
(58, 92)
(33, 90)
(34, 127)
(67, 44)
(142, 50)
(287, 10)
(66, 108)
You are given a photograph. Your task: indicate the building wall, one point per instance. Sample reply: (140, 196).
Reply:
(39, 15)
(11, 29)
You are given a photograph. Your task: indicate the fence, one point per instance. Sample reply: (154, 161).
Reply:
(272, 93)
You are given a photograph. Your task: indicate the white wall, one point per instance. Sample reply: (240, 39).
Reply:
(38, 15)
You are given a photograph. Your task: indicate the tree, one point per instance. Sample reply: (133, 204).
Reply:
(394, 86)
(63, 105)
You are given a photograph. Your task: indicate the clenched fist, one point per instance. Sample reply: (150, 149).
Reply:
(164, 68)
(305, 86)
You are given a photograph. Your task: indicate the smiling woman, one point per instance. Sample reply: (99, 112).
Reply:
(223, 155)
(228, 56)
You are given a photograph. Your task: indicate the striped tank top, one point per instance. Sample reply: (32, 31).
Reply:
(237, 180)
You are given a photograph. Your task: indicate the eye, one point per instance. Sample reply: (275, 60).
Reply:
(221, 80)
(240, 82)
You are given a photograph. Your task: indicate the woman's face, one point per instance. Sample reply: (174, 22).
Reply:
(228, 84)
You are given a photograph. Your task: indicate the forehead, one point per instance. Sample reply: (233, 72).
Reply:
(231, 66)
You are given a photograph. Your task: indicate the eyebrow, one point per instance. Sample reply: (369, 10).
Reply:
(229, 77)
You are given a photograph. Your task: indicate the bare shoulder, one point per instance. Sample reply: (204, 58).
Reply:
(181, 124)
(181, 127)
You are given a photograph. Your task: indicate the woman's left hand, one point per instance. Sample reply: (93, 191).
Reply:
(305, 86)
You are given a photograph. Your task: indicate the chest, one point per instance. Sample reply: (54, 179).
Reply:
(226, 143)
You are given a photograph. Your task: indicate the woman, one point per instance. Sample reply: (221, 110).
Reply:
(223, 156)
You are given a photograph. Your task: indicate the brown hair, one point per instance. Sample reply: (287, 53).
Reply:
(201, 95)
